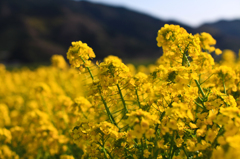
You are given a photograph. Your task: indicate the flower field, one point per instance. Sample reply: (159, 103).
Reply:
(184, 106)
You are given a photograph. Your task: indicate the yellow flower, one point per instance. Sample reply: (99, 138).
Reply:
(146, 153)
(234, 141)
(58, 61)
(179, 142)
(144, 124)
(211, 135)
(160, 143)
(79, 53)
(5, 135)
(218, 153)
(172, 124)
(138, 131)
(190, 115)
(231, 112)
(201, 131)
(230, 129)
(206, 41)
(135, 156)
(66, 157)
(191, 144)
(6, 152)
(5, 120)
(228, 56)
(218, 51)
(193, 126)
(221, 140)
(150, 133)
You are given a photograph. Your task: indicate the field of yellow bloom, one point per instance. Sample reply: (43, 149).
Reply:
(184, 106)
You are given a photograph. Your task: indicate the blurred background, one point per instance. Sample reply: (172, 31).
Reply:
(31, 31)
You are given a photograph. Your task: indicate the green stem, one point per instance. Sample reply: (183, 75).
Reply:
(106, 152)
(200, 88)
(90, 73)
(220, 132)
(184, 59)
(199, 105)
(185, 151)
(225, 92)
(223, 100)
(108, 111)
(206, 79)
(138, 98)
(123, 101)
(142, 149)
(87, 68)
(171, 147)
(104, 102)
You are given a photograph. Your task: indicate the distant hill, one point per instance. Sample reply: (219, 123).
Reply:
(32, 31)
(231, 28)
(227, 33)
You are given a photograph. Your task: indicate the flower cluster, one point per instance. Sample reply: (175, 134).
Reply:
(186, 107)
(36, 111)
(79, 54)
(183, 106)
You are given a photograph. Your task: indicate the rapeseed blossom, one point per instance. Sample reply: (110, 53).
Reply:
(183, 106)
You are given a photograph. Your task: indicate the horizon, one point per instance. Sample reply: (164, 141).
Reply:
(191, 17)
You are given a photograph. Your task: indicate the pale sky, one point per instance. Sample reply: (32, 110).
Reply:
(190, 12)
